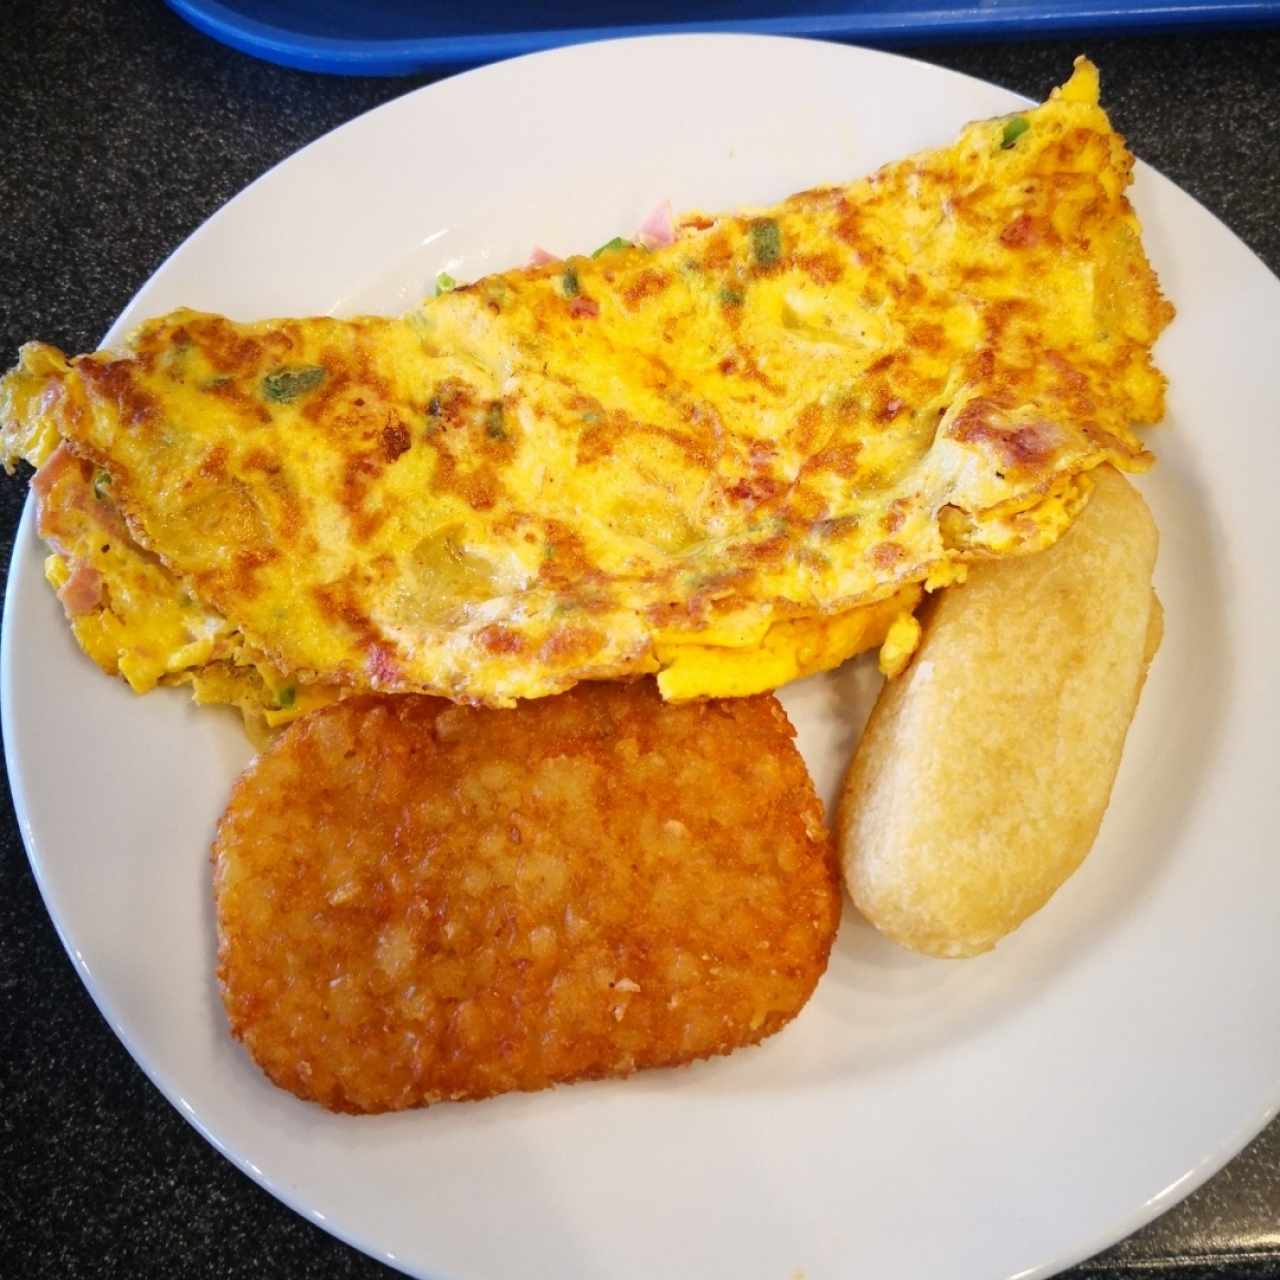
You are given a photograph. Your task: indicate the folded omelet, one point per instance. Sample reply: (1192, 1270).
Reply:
(731, 460)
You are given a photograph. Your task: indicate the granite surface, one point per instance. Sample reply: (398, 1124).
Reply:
(123, 130)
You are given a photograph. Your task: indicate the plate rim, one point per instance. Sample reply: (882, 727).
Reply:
(25, 536)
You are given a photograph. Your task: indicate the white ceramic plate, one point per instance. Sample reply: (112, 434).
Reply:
(992, 1118)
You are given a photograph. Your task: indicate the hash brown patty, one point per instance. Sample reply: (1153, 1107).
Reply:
(418, 901)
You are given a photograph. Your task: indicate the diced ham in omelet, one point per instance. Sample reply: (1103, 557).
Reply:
(731, 454)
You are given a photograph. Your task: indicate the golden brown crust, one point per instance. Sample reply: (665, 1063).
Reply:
(419, 901)
(984, 772)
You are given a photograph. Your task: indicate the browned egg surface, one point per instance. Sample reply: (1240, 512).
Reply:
(675, 461)
(419, 901)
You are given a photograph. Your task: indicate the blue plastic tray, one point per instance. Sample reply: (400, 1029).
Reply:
(398, 37)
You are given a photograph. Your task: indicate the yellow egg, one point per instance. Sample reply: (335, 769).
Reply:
(733, 460)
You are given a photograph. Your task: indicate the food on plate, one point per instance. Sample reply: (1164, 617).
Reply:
(126, 614)
(982, 777)
(730, 458)
(419, 901)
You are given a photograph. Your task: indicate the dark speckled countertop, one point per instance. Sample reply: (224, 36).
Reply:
(123, 130)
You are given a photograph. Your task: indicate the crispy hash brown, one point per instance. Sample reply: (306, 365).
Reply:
(418, 901)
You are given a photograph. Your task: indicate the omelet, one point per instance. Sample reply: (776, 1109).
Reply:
(731, 460)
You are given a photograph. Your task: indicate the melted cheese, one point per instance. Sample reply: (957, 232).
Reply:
(787, 651)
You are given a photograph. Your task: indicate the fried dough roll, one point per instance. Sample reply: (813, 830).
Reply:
(985, 769)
